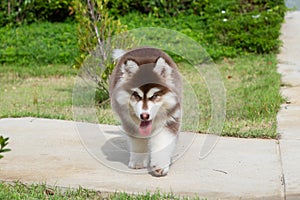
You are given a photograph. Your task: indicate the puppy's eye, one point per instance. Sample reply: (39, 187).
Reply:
(154, 97)
(136, 96)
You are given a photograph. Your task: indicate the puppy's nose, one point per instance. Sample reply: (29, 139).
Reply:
(144, 116)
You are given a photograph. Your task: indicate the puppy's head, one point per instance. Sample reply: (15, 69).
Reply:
(147, 93)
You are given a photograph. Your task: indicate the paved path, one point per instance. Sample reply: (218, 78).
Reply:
(71, 154)
(51, 151)
(289, 116)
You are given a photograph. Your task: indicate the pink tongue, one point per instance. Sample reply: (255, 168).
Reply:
(145, 128)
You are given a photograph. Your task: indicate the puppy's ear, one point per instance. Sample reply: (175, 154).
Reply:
(162, 68)
(129, 68)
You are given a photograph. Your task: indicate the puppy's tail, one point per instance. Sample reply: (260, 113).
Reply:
(117, 54)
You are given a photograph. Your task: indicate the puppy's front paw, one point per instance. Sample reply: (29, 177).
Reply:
(137, 165)
(160, 164)
(138, 161)
(159, 172)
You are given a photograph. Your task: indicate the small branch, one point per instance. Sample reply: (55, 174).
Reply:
(8, 7)
(94, 21)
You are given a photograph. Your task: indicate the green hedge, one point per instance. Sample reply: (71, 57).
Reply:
(246, 25)
(28, 11)
(158, 8)
(223, 28)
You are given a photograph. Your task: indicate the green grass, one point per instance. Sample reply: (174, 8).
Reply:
(44, 91)
(253, 97)
(39, 44)
(43, 71)
(20, 191)
(251, 82)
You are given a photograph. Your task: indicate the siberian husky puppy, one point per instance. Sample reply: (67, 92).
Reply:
(146, 94)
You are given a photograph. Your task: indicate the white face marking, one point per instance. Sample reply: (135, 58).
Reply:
(169, 100)
(153, 109)
(150, 108)
(152, 91)
(138, 91)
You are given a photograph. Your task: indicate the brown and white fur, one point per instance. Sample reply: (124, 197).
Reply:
(146, 94)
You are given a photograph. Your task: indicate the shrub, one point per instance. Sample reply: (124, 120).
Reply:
(95, 29)
(224, 28)
(158, 8)
(95, 26)
(246, 25)
(16, 12)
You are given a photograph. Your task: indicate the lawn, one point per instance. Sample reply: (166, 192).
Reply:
(251, 83)
(37, 92)
(253, 98)
(20, 191)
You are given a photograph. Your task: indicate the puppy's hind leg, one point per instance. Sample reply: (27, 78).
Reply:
(139, 156)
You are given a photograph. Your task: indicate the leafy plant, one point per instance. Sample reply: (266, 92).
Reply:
(95, 31)
(3, 144)
(157, 8)
(28, 11)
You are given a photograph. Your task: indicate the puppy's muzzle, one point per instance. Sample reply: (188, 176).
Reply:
(144, 116)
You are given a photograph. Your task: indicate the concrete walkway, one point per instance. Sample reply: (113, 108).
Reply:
(51, 151)
(289, 116)
(70, 154)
